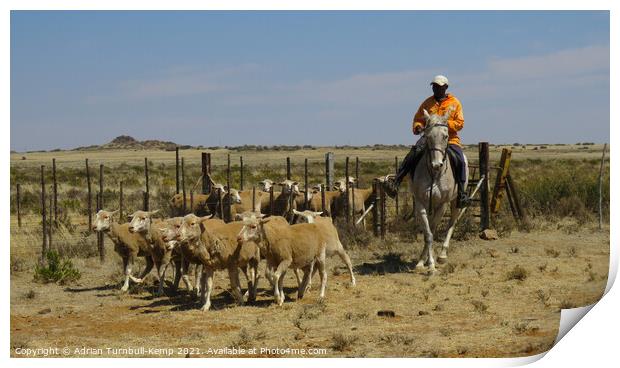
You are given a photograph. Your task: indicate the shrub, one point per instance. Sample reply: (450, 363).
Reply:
(57, 270)
(517, 273)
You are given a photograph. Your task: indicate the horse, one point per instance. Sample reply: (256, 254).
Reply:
(434, 187)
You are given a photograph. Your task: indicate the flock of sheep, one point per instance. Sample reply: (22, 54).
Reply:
(295, 236)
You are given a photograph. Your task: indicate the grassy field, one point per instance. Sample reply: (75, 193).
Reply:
(492, 298)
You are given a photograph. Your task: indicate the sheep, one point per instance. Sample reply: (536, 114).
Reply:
(287, 246)
(316, 201)
(214, 245)
(285, 202)
(361, 197)
(196, 203)
(128, 245)
(152, 230)
(241, 201)
(333, 245)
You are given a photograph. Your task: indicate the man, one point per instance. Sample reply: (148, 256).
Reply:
(439, 103)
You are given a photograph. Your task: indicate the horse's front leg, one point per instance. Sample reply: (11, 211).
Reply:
(454, 214)
(427, 252)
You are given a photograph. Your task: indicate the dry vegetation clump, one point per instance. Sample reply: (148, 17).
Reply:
(517, 273)
(342, 342)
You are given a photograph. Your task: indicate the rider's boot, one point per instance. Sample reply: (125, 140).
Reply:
(391, 186)
(463, 199)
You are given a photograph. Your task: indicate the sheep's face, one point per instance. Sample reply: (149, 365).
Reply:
(170, 232)
(177, 200)
(141, 221)
(251, 229)
(191, 228)
(306, 217)
(289, 186)
(218, 189)
(317, 188)
(235, 198)
(341, 184)
(103, 220)
(265, 185)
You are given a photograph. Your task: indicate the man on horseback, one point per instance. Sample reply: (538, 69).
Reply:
(439, 103)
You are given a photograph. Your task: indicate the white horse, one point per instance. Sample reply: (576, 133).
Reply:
(434, 187)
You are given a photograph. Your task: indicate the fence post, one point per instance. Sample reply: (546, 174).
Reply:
(120, 202)
(329, 171)
(600, 190)
(288, 168)
(396, 172)
(183, 185)
(206, 184)
(485, 213)
(347, 199)
(176, 149)
(228, 196)
(100, 241)
(221, 203)
(357, 172)
(323, 204)
(383, 227)
(191, 201)
(146, 184)
(375, 208)
(55, 191)
(254, 198)
(50, 226)
(240, 172)
(90, 199)
(43, 217)
(306, 183)
(271, 201)
(18, 205)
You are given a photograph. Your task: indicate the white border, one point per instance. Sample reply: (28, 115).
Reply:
(593, 342)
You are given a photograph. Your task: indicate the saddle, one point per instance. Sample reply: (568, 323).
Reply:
(455, 162)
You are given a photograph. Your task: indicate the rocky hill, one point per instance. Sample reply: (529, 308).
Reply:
(127, 142)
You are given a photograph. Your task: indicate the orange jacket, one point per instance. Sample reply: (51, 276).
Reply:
(455, 121)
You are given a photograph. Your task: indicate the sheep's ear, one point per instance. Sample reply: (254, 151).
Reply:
(426, 114)
(318, 213)
(261, 215)
(113, 213)
(265, 220)
(297, 212)
(154, 212)
(205, 217)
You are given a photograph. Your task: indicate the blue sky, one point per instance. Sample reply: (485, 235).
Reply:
(322, 78)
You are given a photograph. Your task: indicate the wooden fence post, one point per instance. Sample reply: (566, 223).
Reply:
(228, 216)
(485, 215)
(50, 227)
(323, 204)
(396, 172)
(146, 184)
(183, 185)
(329, 171)
(375, 208)
(90, 199)
(55, 192)
(347, 199)
(271, 209)
(191, 201)
(206, 184)
(500, 180)
(383, 210)
(288, 168)
(306, 183)
(18, 206)
(43, 217)
(176, 149)
(100, 240)
(600, 190)
(357, 172)
(120, 203)
(254, 199)
(240, 172)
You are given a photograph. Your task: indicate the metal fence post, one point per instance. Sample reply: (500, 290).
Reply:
(43, 218)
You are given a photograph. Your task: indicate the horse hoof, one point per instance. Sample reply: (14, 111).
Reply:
(419, 264)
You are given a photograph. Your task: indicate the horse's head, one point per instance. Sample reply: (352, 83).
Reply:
(436, 134)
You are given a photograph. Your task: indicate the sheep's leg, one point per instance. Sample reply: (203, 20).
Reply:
(323, 273)
(255, 276)
(233, 275)
(298, 276)
(177, 274)
(347, 261)
(206, 279)
(198, 270)
(184, 274)
(304, 284)
(269, 275)
(147, 269)
(454, 214)
(162, 276)
(127, 271)
(278, 277)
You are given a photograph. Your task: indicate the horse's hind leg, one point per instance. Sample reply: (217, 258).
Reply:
(454, 214)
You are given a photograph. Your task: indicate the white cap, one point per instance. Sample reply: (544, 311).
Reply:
(440, 80)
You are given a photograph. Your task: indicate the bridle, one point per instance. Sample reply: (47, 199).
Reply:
(431, 149)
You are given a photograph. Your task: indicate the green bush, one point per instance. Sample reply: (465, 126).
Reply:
(56, 270)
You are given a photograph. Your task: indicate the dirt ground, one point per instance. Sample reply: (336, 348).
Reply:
(479, 304)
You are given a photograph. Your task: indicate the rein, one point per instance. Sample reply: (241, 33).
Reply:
(429, 165)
